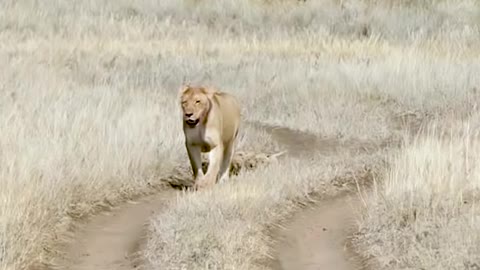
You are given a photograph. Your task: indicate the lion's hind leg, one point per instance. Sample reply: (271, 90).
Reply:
(224, 173)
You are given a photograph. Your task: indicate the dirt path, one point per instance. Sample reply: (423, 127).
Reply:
(109, 241)
(317, 238)
(312, 240)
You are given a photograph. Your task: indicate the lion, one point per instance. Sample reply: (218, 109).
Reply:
(211, 121)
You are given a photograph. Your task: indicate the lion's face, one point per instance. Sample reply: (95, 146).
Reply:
(195, 105)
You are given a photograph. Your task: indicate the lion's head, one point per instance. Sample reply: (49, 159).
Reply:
(196, 103)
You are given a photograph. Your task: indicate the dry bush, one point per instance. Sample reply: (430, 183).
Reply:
(425, 215)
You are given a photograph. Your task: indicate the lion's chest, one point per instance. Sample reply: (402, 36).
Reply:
(199, 137)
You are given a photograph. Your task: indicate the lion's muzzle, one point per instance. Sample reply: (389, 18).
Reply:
(192, 122)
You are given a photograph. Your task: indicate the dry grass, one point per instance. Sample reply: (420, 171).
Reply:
(334, 83)
(425, 214)
(87, 106)
(67, 149)
(226, 228)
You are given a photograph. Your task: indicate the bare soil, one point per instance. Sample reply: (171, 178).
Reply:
(317, 238)
(109, 241)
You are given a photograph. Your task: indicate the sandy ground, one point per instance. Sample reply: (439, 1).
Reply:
(315, 238)
(110, 240)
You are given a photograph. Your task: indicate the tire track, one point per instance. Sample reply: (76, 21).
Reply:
(314, 238)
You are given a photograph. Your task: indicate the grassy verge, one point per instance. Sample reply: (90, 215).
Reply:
(425, 214)
(68, 149)
(226, 228)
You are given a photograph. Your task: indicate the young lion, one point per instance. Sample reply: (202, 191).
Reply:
(211, 121)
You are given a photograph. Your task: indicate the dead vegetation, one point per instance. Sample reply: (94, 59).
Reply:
(424, 214)
(88, 116)
(182, 176)
(226, 228)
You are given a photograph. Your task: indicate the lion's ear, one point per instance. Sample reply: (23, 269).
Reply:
(184, 88)
(210, 92)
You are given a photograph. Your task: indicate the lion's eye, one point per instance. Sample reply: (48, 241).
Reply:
(198, 101)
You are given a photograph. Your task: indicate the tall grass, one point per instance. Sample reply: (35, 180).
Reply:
(88, 87)
(67, 149)
(339, 79)
(425, 215)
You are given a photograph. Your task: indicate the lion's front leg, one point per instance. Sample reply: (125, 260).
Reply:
(195, 156)
(215, 160)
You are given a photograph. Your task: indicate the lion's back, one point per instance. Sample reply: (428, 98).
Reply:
(231, 114)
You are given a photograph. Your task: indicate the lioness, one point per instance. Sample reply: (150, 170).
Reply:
(211, 121)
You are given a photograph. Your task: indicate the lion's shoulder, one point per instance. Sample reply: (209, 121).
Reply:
(226, 101)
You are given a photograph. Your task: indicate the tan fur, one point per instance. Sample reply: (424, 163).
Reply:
(215, 119)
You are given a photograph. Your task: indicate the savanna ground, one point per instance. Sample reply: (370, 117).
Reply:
(89, 119)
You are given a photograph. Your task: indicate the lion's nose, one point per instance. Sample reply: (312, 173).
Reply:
(188, 114)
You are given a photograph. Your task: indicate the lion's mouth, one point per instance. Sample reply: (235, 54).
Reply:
(192, 123)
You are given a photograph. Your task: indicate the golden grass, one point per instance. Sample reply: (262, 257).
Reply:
(88, 112)
(351, 89)
(226, 228)
(425, 214)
